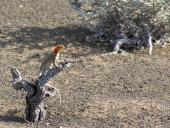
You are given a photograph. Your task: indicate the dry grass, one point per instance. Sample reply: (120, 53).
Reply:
(101, 92)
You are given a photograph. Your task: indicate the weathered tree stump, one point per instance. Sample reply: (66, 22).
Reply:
(37, 91)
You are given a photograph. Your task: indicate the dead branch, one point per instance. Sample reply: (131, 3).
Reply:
(19, 83)
(37, 91)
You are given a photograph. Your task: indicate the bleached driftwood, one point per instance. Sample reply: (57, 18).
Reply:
(37, 91)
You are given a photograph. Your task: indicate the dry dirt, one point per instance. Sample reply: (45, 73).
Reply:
(98, 92)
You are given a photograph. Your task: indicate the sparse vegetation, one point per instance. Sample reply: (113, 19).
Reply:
(132, 23)
(97, 91)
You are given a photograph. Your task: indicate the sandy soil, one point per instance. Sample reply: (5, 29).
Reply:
(98, 92)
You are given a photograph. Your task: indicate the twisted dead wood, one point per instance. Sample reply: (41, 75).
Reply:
(37, 91)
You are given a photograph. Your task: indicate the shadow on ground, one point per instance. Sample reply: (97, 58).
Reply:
(11, 116)
(36, 37)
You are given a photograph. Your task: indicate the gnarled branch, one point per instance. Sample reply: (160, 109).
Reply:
(37, 91)
(46, 76)
(19, 83)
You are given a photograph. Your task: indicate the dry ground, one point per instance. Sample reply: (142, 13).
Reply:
(98, 92)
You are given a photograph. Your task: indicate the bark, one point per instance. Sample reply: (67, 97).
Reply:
(37, 91)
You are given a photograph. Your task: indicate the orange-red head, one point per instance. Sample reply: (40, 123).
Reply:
(58, 49)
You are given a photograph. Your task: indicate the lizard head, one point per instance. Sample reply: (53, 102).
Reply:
(58, 49)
